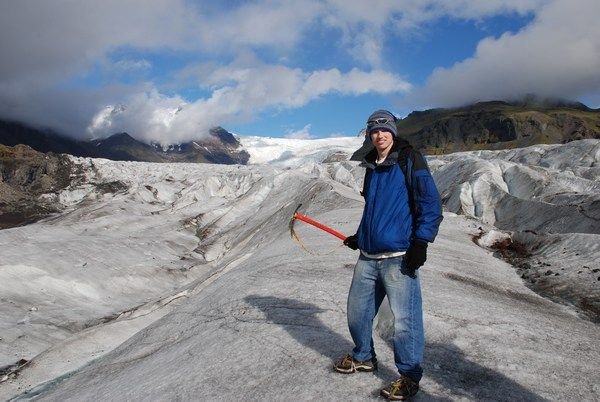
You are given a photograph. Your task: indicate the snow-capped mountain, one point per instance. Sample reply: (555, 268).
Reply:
(216, 146)
(163, 281)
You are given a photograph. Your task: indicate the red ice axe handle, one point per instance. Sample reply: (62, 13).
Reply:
(319, 225)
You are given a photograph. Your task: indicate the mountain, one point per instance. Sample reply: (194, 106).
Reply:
(219, 146)
(485, 125)
(499, 125)
(122, 147)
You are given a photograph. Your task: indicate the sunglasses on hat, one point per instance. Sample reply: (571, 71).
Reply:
(381, 120)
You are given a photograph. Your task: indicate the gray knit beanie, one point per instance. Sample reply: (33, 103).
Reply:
(382, 119)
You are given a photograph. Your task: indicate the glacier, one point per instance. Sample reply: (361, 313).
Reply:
(182, 282)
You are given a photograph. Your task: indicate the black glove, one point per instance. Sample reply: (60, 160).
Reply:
(352, 242)
(416, 255)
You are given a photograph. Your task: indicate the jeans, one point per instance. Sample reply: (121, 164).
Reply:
(372, 280)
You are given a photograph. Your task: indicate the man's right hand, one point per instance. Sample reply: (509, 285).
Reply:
(352, 242)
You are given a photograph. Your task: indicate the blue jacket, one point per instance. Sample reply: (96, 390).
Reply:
(392, 217)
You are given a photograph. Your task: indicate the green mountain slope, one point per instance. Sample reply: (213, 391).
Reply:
(499, 125)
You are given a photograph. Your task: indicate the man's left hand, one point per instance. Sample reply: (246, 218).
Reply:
(416, 255)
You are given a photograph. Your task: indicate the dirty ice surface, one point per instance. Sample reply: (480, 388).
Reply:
(184, 284)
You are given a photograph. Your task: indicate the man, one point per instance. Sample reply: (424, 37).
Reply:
(401, 216)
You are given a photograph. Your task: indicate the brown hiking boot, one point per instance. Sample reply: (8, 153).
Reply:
(401, 389)
(347, 365)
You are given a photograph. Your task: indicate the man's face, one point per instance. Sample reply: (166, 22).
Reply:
(382, 139)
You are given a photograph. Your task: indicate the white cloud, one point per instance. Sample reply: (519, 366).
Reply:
(238, 93)
(103, 120)
(130, 65)
(260, 23)
(47, 44)
(64, 37)
(556, 56)
(146, 115)
(364, 24)
(302, 134)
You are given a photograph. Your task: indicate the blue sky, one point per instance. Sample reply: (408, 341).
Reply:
(166, 71)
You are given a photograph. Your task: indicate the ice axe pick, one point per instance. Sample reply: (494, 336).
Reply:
(314, 223)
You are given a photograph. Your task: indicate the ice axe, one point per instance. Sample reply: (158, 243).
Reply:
(312, 222)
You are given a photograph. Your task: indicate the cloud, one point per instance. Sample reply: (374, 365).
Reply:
(129, 65)
(556, 56)
(48, 46)
(302, 134)
(236, 59)
(64, 37)
(266, 23)
(366, 25)
(237, 94)
(68, 110)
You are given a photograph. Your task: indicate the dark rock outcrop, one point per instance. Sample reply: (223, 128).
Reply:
(25, 177)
